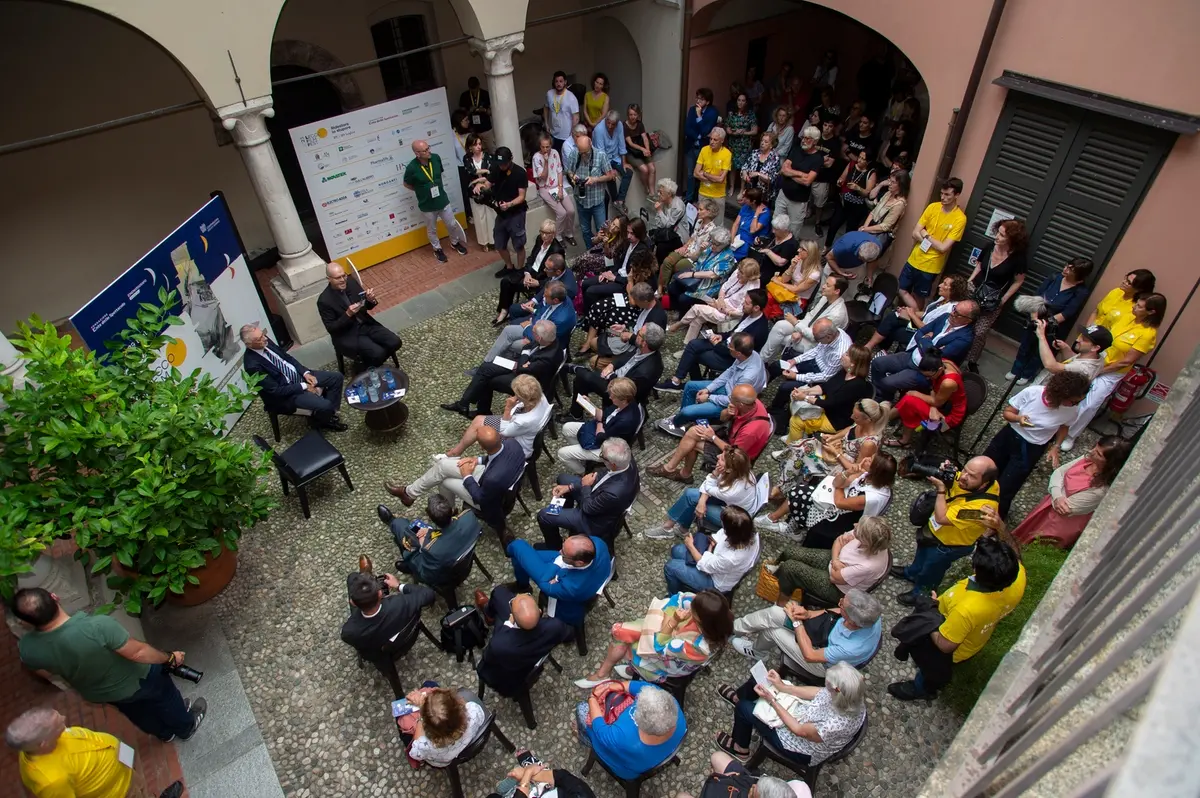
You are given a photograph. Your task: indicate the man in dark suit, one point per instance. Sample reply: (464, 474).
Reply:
(287, 385)
(480, 482)
(343, 306)
(713, 351)
(540, 359)
(952, 334)
(382, 627)
(521, 636)
(554, 270)
(643, 364)
(602, 498)
(552, 306)
(429, 551)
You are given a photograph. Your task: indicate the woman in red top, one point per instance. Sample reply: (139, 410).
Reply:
(945, 406)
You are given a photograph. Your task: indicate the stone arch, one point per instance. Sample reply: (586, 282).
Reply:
(292, 52)
(616, 46)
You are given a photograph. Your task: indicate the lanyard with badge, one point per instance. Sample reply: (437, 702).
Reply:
(475, 107)
(434, 192)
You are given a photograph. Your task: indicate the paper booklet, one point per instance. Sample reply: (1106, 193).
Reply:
(504, 363)
(586, 404)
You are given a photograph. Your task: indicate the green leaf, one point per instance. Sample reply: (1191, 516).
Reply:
(102, 563)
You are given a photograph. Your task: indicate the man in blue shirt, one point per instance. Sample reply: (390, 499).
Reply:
(609, 138)
(705, 400)
(850, 251)
(569, 578)
(643, 736)
(701, 119)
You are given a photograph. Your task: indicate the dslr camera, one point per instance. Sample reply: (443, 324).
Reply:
(1046, 315)
(184, 672)
(366, 566)
(945, 470)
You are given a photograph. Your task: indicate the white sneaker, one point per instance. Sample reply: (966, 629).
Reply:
(657, 532)
(765, 524)
(1067, 445)
(1023, 381)
(1009, 375)
(744, 647)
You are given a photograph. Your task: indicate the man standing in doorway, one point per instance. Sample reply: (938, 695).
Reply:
(939, 227)
(478, 105)
(561, 112)
(508, 188)
(800, 170)
(424, 177)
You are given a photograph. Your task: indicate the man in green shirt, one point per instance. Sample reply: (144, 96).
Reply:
(98, 658)
(423, 175)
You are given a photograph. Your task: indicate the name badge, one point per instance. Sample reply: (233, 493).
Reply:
(434, 193)
(926, 244)
(125, 755)
(474, 119)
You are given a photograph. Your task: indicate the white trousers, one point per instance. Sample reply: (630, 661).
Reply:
(768, 629)
(781, 338)
(444, 476)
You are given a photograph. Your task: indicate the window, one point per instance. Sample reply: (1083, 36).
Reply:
(409, 74)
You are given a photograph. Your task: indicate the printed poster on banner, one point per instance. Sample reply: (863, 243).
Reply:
(354, 164)
(203, 261)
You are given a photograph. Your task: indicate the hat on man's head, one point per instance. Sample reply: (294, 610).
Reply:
(1098, 335)
(503, 156)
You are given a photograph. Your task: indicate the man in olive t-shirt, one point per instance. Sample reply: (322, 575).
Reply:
(100, 660)
(423, 175)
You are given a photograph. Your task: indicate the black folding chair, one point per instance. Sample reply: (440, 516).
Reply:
(523, 698)
(633, 787)
(305, 460)
(766, 750)
(385, 660)
(472, 750)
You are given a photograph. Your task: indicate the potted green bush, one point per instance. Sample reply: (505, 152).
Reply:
(129, 459)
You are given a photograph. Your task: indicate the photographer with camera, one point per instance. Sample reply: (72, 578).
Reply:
(954, 525)
(1058, 303)
(429, 551)
(100, 660)
(587, 171)
(1086, 353)
(384, 620)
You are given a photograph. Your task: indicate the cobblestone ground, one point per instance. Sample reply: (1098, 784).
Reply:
(326, 722)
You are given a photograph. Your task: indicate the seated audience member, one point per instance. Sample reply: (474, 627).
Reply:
(669, 226)
(708, 399)
(570, 578)
(858, 560)
(814, 639)
(620, 417)
(521, 636)
(1038, 418)
(287, 385)
(637, 258)
(791, 287)
(685, 630)
(540, 360)
(729, 303)
(943, 408)
(611, 240)
(714, 351)
(642, 364)
(850, 252)
(648, 728)
(532, 778)
(717, 561)
(749, 430)
(56, 760)
(831, 453)
(971, 608)
(533, 284)
(828, 407)
(613, 325)
(730, 483)
(774, 256)
(813, 367)
(751, 222)
(524, 415)
(1085, 355)
(379, 626)
(818, 726)
(799, 335)
(596, 502)
(479, 482)
(820, 512)
(1076, 489)
(705, 278)
(899, 325)
(552, 306)
(429, 550)
(950, 335)
(949, 536)
(728, 776)
(447, 723)
(343, 307)
(684, 258)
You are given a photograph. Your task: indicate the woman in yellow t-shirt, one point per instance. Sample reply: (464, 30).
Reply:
(595, 102)
(1117, 304)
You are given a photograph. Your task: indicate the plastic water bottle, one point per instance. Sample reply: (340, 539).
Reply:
(362, 392)
(373, 387)
(389, 379)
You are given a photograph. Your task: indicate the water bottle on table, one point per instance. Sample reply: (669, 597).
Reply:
(373, 386)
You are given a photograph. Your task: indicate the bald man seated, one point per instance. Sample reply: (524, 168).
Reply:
(521, 636)
(343, 306)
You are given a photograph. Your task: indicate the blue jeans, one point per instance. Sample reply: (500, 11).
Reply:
(930, 564)
(619, 190)
(681, 572)
(690, 410)
(157, 708)
(683, 511)
(1029, 360)
(590, 222)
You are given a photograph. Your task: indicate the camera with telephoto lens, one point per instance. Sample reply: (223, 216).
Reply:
(184, 672)
(945, 470)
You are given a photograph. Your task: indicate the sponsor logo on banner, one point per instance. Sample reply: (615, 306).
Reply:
(334, 201)
(333, 176)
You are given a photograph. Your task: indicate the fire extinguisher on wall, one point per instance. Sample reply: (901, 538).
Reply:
(1135, 385)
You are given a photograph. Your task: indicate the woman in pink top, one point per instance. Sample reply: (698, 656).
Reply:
(548, 176)
(858, 559)
(728, 304)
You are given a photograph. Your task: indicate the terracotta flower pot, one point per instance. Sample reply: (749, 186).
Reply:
(216, 573)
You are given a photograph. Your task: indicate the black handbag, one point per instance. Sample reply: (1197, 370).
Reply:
(987, 296)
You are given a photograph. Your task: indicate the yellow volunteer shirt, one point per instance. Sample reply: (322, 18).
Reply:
(971, 614)
(963, 532)
(1114, 309)
(713, 162)
(940, 226)
(84, 764)
(1129, 334)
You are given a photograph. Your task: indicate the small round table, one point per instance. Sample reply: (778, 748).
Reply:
(386, 415)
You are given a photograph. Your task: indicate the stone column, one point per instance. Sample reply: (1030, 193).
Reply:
(301, 270)
(497, 55)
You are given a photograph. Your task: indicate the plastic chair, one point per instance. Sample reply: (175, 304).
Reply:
(523, 698)
(633, 787)
(766, 750)
(307, 459)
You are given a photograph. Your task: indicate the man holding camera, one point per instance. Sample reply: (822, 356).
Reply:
(384, 618)
(1087, 351)
(429, 551)
(99, 659)
(955, 524)
(588, 171)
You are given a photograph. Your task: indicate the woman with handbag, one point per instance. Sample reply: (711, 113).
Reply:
(997, 277)
(609, 243)
(478, 164)
(855, 184)
(761, 169)
(791, 287)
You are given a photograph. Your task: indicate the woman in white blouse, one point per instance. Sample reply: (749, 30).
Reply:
(818, 514)
(548, 176)
(718, 561)
(726, 306)
(477, 164)
(730, 483)
(525, 413)
(448, 724)
(785, 134)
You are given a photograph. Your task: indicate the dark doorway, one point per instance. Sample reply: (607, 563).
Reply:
(412, 73)
(299, 103)
(756, 56)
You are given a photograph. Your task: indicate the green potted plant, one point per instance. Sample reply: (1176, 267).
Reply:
(131, 460)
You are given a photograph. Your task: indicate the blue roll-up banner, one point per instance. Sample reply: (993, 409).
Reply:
(203, 261)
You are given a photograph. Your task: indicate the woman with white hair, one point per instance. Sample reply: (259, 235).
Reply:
(632, 726)
(548, 177)
(727, 305)
(705, 279)
(524, 415)
(815, 728)
(669, 225)
(683, 257)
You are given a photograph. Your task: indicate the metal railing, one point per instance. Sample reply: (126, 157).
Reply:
(1105, 679)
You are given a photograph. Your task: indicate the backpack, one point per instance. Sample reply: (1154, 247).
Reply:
(463, 631)
(728, 785)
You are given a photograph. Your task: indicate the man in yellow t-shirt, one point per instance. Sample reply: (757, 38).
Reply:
(60, 761)
(940, 226)
(970, 610)
(712, 170)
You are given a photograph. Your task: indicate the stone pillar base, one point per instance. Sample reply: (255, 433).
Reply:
(299, 309)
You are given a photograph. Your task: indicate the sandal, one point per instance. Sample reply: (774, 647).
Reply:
(674, 476)
(724, 741)
(729, 693)
(894, 443)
